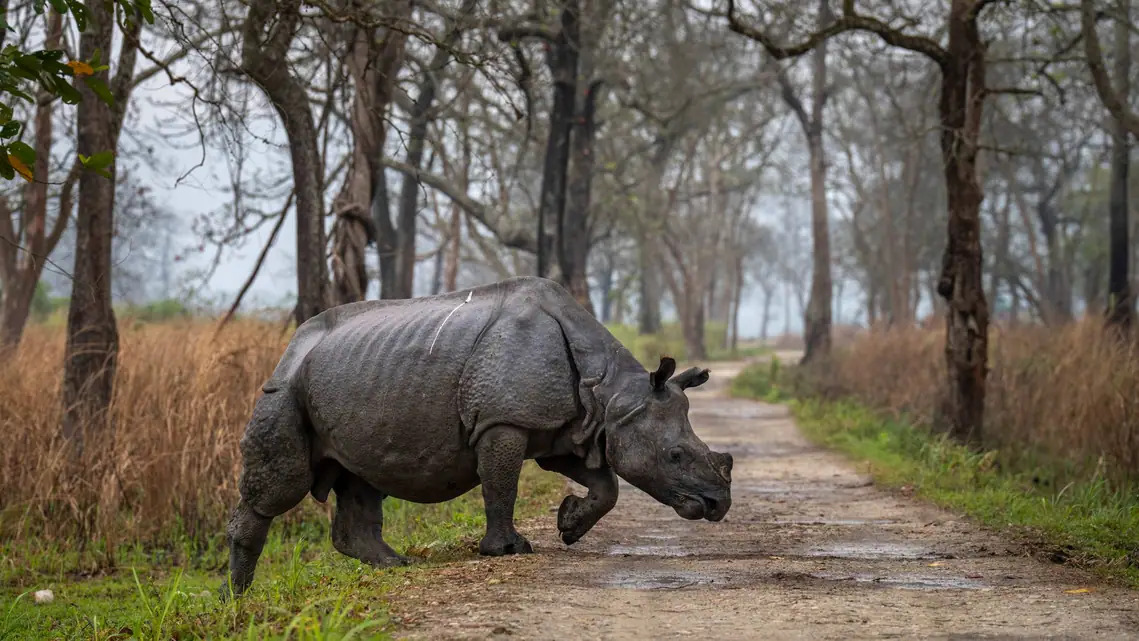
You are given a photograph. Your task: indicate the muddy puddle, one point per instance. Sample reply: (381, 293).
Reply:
(872, 551)
(662, 580)
(907, 582)
(647, 550)
(841, 522)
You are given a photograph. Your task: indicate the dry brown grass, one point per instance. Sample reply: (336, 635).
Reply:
(1065, 395)
(170, 462)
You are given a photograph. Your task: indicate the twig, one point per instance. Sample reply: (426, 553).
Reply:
(257, 266)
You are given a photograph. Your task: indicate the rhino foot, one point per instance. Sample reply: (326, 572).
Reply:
(514, 544)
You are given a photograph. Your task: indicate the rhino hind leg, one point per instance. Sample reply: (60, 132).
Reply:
(501, 452)
(276, 475)
(578, 515)
(358, 525)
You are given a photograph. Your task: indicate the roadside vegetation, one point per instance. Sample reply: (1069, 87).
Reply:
(1058, 466)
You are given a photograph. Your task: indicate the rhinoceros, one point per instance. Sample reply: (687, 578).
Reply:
(424, 399)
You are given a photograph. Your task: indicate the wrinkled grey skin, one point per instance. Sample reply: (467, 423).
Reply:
(384, 398)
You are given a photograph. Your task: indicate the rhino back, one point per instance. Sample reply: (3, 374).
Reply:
(399, 391)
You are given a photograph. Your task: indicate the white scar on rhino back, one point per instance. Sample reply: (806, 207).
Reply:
(469, 296)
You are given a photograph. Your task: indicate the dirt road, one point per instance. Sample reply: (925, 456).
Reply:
(809, 550)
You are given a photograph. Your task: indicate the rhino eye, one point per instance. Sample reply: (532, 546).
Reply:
(675, 454)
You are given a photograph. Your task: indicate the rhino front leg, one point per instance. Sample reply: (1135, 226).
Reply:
(578, 515)
(501, 452)
(358, 525)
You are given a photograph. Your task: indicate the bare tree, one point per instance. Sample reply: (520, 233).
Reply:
(92, 335)
(269, 30)
(962, 64)
(25, 247)
(1121, 303)
(1113, 97)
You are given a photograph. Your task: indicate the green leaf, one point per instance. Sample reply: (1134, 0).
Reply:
(98, 161)
(79, 12)
(49, 54)
(19, 94)
(23, 151)
(5, 114)
(29, 62)
(38, 5)
(60, 6)
(144, 7)
(67, 93)
(6, 170)
(20, 72)
(100, 89)
(11, 129)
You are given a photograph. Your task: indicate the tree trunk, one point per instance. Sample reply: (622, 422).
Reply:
(562, 60)
(648, 262)
(454, 244)
(692, 326)
(420, 118)
(651, 288)
(737, 301)
(264, 60)
(573, 238)
(817, 319)
(1121, 305)
(1000, 259)
(291, 102)
(1058, 304)
(387, 241)
(409, 193)
(92, 336)
(22, 268)
(605, 284)
(768, 294)
(967, 326)
(437, 272)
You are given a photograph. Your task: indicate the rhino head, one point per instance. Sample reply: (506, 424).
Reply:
(649, 442)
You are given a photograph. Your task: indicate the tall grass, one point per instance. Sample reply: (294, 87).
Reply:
(1066, 399)
(168, 461)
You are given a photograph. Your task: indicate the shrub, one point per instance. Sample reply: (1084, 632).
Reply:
(1064, 399)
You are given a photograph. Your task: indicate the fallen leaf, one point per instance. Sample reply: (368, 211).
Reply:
(80, 68)
(936, 564)
(1078, 591)
(493, 581)
(20, 167)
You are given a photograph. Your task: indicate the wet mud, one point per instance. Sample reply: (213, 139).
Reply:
(810, 550)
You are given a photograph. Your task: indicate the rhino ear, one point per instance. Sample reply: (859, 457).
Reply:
(663, 373)
(692, 377)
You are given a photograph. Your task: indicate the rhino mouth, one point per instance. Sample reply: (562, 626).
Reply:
(703, 506)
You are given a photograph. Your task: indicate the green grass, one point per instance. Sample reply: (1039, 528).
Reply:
(304, 589)
(1087, 521)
